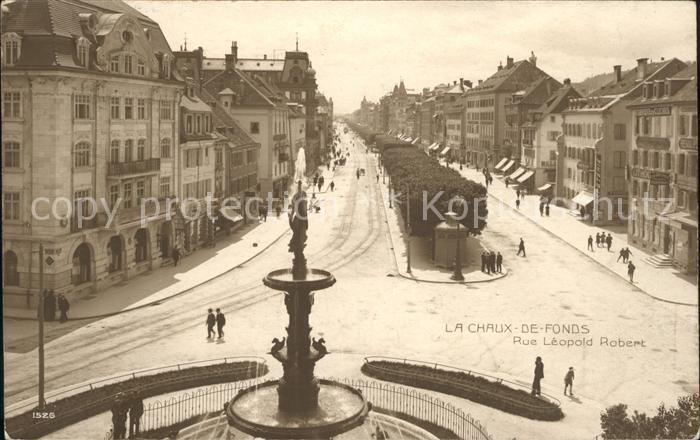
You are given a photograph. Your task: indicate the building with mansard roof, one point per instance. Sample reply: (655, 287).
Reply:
(90, 112)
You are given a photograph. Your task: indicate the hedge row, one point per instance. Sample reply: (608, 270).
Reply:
(467, 386)
(425, 178)
(81, 406)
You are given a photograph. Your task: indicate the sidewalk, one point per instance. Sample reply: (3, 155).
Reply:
(162, 283)
(666, 284)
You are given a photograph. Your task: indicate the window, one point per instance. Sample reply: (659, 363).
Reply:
(618, 184)
(83, 49)
(219, 156)
(141, 108)
(645, 158)
(114, 152)
(141, 149)
(165, 186)
(81, 106)
(11, 105)
(620, 130)
(197, 124)
(656, 160)
(12, 48)
(114, 64)
(81, 155)
(646, 126)
(128, 64)
(128, 108)
(115, 106)
(694, 125)
(128, 195)
(81, 203)
(189, 124)
(128, 150)
(10, 206)
(656, 126)
(140, 191)
(113, 195)
(255, 127)
(165, 111)
(619, 159)
(165, 67)
(635, 157)
(693, 166)
(192, 158)
(10, 274)
(237, 159)
(141, 67)
(551, 119)
(165, 148)
(668, 162)
(10, 154)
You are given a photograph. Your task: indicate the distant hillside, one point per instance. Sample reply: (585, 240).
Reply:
(594, 82)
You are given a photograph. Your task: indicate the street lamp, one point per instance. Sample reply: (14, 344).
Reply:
(457, 274)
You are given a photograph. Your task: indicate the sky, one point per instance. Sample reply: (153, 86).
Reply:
(364, 48)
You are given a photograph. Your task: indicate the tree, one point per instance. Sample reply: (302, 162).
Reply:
(672, 423)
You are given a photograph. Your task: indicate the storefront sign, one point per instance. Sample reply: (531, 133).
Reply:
(658, 178)
(688, 144)
(656, 111)
(653, 143)
(597, 167)
(641, 173)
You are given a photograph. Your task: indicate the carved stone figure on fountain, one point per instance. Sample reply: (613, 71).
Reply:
(299, 223)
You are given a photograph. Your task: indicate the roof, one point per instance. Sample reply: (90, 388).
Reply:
(510, 79)
(59, 20)
(260, 65)
(687, 92)
(629, 80)
(558, 100)
(194, 104)
(221, 119)
(538, 91)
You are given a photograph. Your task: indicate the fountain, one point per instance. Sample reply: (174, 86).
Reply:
(298, 406)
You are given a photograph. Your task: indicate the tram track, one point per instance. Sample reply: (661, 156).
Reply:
(118, 346)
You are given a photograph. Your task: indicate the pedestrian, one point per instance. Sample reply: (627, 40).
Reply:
(211, 322)
(517, 194)
(609, 241)
(621, 256)
(63, 306)
(539, 375)
(332, 185)
(628, 252)
(315, 179)
(499, 263)
(358, 174)
(541, 209)
(50, 306)
(321, 181)
(517, 203)
(135, 413)
(590, 243)
(220, 323)
(597, 239)
(492, 261)
(176, 255)
(278, 209)
(546, 210)
(569, 381)
(630, 271)
(521, 247)
(377, 178)
(119, 410)
(507, 182)
(483, 261)
(490, 179)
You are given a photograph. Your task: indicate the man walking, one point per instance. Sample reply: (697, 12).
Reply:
(483, 261)
(628, 252)
(211, 322)
(119, 410)
(220, 323)
(521, 247)
(569, 381)
(135, 413)
(492, 262)
(517, 194)
(51, 306)
(539, 375)
(546, 209)
(608, 241)
(590, 243)
(622, 255)
(541, 209)
(499, 263)
(63, 306)
(630, 271)
(176, 256)
(597, 239)
(517, 203)
(332, 185)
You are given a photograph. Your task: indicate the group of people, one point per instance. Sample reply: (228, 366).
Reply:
(218, 320)
(520, 195)
(491, 262)
(131, 404)
(51, 302)
(539, 375)
(544, 206)
(602, 240)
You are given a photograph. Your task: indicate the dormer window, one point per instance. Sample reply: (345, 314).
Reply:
(11, 48)
(127, 36)
(128, 64)
(165, 66)
(114, 64)
(667, 89)
(83, 50)
(141, 67)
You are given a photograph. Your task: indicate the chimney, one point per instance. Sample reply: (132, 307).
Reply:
(509, 62)
(265, 57)
(618, 73)
(232, 58)
(481, 81)
(461, 84)
(533, 58)
(641, 68)
(500, 66)
(567, 82)
(468, 83)
(454, 83)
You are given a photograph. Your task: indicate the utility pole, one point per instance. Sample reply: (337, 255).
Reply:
(41, 327)
(408, 230)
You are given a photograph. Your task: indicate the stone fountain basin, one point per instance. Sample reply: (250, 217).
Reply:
(255, 412)
(290, 280)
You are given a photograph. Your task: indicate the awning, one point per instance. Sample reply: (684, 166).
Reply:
(525, 176)
(517, 173)
(231, 213)
(415, 141)
(583, 198)
(507, 166)
(408, 139)
(434, 146)
(501, 163)
(445, 151)
(682, 217)
(545, 187)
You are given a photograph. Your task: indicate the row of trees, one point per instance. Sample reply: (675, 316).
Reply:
(433, 189)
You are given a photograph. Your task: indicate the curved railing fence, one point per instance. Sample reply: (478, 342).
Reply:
(193, 406)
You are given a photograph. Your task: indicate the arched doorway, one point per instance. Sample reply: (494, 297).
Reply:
(165, 239)
(82, 262)
(115, 250)
(10, 274)
(141, 245)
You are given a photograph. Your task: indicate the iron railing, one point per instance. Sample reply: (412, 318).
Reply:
(383, 396)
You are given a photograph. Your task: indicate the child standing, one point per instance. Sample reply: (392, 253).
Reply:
(569, 381)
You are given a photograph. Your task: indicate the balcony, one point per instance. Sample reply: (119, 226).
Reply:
(135, 167)
(279, 137)
(86, 224)
(151, 208)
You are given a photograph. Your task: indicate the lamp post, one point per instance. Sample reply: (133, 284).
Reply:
(457, 274)
(408, 230)
(42, 402)
(390, 195)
